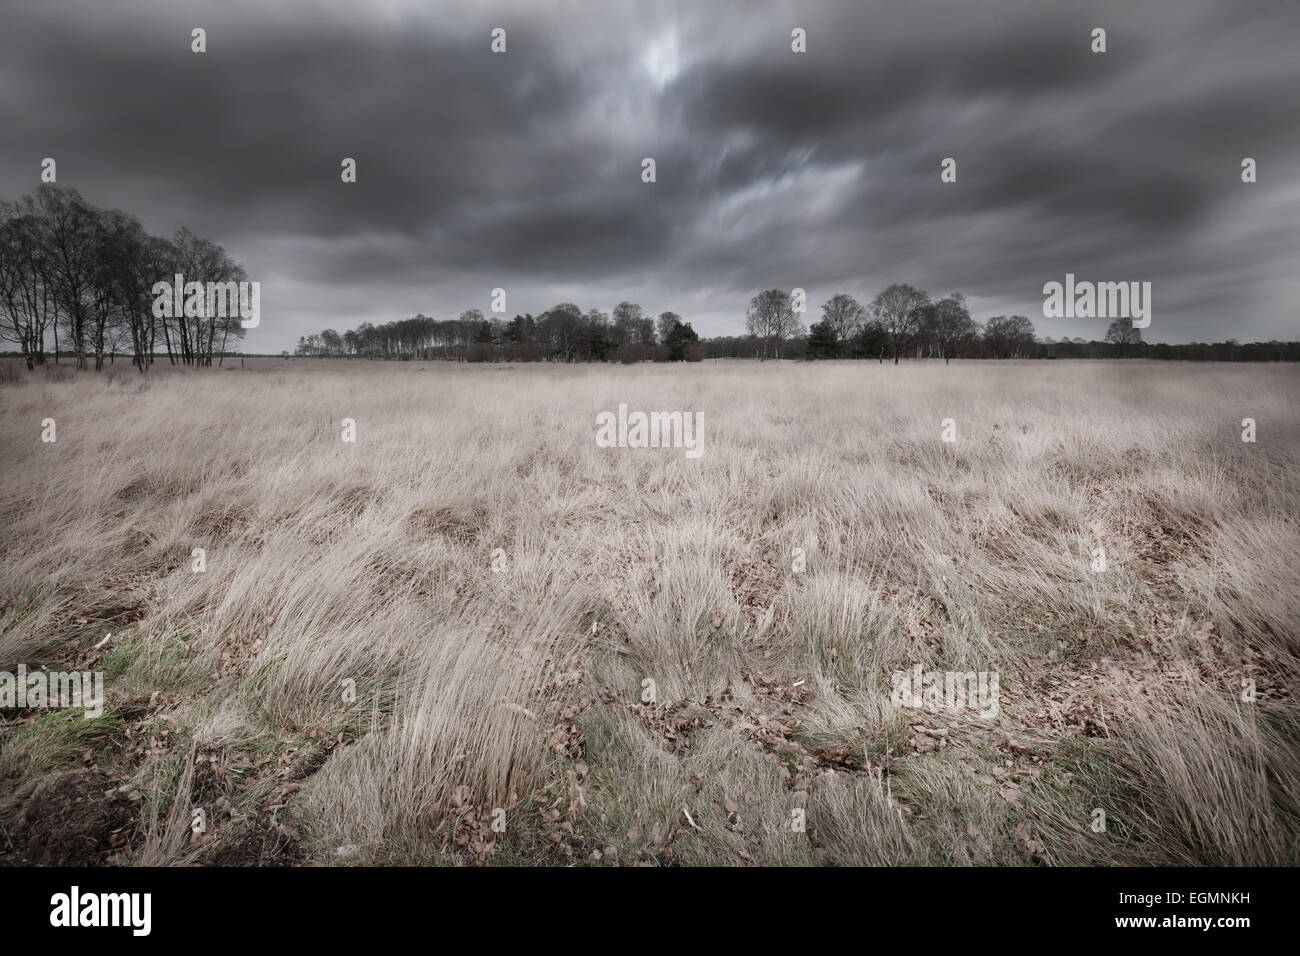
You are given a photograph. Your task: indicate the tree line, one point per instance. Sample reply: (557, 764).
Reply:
(84, 277)
(900, 322)
(563, 334)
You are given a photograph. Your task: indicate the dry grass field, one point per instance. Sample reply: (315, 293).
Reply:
(358, 676)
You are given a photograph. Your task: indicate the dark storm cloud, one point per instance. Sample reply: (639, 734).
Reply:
(819, 170)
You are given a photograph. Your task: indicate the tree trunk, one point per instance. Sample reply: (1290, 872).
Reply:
(79, 342)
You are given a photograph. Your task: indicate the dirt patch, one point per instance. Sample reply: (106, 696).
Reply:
(76, 819)
(255, 843)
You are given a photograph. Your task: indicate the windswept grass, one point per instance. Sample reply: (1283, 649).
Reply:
(360, 676)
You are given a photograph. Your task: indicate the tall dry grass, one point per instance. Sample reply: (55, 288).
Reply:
(350, 635)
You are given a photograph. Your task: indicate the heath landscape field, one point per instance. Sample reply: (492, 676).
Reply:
(412, 612)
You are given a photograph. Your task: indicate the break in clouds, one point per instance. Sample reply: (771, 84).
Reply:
(819, 170)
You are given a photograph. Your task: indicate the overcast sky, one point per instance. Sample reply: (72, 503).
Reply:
(818, 170)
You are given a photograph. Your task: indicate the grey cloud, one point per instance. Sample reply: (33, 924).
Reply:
(819, 170)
